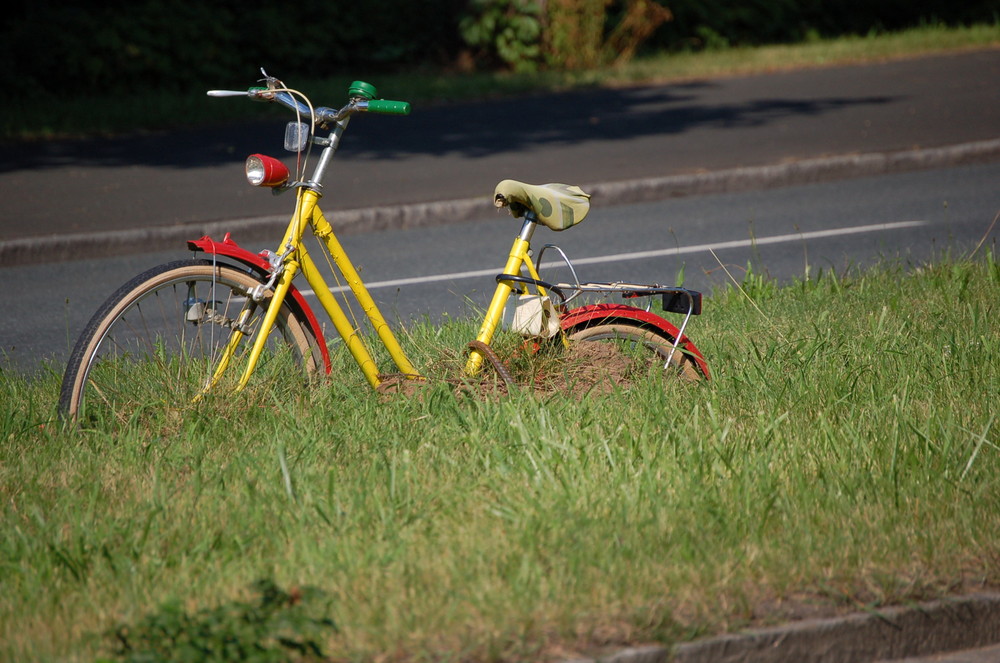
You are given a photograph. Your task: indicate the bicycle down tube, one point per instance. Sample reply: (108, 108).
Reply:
(308, 213)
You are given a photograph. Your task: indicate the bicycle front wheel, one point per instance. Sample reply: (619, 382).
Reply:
(621, 352)
(158, 339)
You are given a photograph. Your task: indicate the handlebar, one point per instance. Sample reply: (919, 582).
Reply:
(387, 107)
(362, 99)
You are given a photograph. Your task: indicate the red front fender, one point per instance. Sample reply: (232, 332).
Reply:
(587, 316)
(230, 249)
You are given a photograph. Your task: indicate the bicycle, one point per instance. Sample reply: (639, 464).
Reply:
(180, 330)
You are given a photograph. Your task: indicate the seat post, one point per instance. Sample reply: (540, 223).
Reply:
(529, 225)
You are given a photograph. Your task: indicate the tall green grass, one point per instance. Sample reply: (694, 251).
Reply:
(844, 455)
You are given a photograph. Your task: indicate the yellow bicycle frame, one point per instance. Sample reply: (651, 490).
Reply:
(298, 260)
(520, 256)
(295, 258)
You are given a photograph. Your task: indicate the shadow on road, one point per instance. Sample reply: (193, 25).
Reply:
(467, 130)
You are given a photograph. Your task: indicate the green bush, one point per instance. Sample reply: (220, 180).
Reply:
(279, 627)
(503, 33)
(559, 34)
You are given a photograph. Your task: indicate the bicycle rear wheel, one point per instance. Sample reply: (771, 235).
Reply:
(157, 340)
(621, 352)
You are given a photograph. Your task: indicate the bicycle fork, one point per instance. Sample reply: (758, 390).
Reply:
(242, 329)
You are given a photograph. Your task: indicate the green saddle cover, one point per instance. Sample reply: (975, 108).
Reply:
(558, 206)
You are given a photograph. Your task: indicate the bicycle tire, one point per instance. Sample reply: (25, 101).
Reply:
(646, 351)
(155, 340)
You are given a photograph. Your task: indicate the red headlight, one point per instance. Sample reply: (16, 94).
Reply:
(265, 171)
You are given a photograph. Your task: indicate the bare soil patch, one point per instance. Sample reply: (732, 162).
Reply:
(580, 370)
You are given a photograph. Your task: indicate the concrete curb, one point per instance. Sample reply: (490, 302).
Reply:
(926, 629)
(78, 246)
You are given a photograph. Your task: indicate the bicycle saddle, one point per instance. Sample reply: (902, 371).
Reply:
(558, 206)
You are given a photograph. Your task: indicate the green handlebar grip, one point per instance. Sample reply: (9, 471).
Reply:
(389, 107)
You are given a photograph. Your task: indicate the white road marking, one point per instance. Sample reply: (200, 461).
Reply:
(642, 255)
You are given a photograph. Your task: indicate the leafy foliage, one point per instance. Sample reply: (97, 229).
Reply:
(583, 34)
(504, 33)
(279, 627)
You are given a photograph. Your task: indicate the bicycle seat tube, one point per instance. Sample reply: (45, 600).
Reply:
(520, 252)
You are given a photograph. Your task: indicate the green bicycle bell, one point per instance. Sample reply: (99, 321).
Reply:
(362, 89)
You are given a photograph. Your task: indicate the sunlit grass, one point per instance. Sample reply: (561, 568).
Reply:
(845, 454)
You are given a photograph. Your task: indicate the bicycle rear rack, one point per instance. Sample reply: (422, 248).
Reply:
(674, 299)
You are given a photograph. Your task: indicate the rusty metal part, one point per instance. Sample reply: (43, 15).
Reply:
(494, 360)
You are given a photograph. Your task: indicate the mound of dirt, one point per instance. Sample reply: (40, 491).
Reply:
(584, 368)
(590, 368)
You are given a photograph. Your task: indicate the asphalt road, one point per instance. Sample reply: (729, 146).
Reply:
(55, 194)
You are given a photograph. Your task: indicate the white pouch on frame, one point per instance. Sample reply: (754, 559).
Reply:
(531, 316)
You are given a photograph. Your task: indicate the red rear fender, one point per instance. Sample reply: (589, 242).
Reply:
(596, 314)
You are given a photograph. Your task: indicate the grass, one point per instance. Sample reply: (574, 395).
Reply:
(845, 455)
(32, 119)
